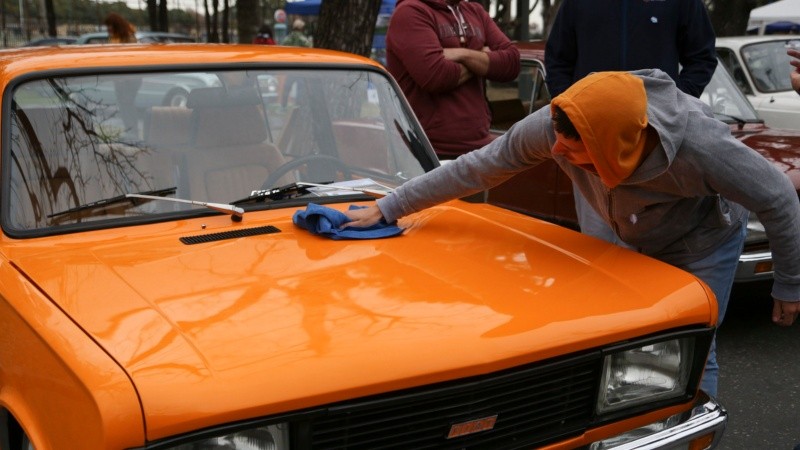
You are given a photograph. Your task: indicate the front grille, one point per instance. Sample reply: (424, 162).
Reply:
(534, 405)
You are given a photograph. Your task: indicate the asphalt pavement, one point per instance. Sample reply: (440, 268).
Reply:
(759, 374)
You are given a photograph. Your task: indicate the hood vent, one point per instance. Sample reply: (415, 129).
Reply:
(199, 239)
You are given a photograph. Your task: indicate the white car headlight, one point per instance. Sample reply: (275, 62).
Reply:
(652, 372)
(269, 437)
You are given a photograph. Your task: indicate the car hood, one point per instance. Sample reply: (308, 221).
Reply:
(780, 146)
(248, 326)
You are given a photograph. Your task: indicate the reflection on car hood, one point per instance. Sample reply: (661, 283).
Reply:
(250, 326)
(780, 146)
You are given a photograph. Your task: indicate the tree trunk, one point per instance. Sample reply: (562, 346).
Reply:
(213, 32)
(50, 13)
(152, 14)
(549, 11)
(208, 21)
(247, 20)
(347, 25)
(729, 17)
(163, 16)
(226, 35)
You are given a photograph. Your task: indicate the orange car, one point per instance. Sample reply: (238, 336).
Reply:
(156, 293)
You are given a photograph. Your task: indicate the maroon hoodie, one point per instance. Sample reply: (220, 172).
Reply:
(455, 117)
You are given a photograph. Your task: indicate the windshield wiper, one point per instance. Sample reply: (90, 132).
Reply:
(739, 121)
(277, 193)
(236, 213)
(112, 200)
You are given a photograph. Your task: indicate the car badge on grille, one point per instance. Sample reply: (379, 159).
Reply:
(472, 426)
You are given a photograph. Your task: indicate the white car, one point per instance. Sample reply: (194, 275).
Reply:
(760, 66)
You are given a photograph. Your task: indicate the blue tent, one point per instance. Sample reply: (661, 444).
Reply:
(311, 7)
(782, 27)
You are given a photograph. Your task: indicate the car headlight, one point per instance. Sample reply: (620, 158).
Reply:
(268, 437)
(645, 374)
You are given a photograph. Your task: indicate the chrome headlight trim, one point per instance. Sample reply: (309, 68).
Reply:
(272, 436)
(651, 373)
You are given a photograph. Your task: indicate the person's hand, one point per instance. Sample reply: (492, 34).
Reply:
(364, 217)
(785, 313)
(795, 75)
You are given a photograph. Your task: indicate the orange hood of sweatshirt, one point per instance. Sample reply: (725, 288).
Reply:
(609, 110)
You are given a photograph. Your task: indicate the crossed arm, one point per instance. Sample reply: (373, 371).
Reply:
(472, 62)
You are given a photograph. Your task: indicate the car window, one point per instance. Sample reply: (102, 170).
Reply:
(512, 101)
(728, 59)
(768, 65)
(78, 141)
(726, 99)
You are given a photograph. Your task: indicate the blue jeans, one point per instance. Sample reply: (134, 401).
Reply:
(717, 270)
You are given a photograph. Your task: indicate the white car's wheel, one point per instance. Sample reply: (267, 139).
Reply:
(176, 97)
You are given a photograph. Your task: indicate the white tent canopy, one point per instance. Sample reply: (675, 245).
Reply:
(780, 11)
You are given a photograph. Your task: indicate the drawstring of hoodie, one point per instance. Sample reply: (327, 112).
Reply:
(460, 23)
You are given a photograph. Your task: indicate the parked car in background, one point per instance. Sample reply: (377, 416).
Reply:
(155, 293)
(165, 89)
(48, 41)
(155, 89)
(144, 37)
(760, 67)
(546, 192)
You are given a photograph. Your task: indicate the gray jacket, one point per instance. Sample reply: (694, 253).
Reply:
(686, 198)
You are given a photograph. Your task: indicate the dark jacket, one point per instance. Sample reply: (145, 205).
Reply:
(455, 117)
(601, 35)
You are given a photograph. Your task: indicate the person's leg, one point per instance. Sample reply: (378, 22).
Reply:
(717, 270)
(591, 223)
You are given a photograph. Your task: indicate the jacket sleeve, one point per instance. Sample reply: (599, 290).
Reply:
(739, 174)
(561, 51)
(412, 32)
(525, 145)
(696, 46)
(504, 59)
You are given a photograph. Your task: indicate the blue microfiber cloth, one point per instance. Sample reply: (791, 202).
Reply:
(326, 222)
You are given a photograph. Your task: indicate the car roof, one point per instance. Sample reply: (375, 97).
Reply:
(20, 61)
(741, 41)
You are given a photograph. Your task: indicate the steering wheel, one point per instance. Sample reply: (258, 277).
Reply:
(307, 160)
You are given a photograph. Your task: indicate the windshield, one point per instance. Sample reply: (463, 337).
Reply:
(76, 146)
(726, 99)
(768, 64)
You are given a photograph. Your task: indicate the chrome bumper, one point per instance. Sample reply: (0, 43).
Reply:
(754, 266)
(706, 421)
